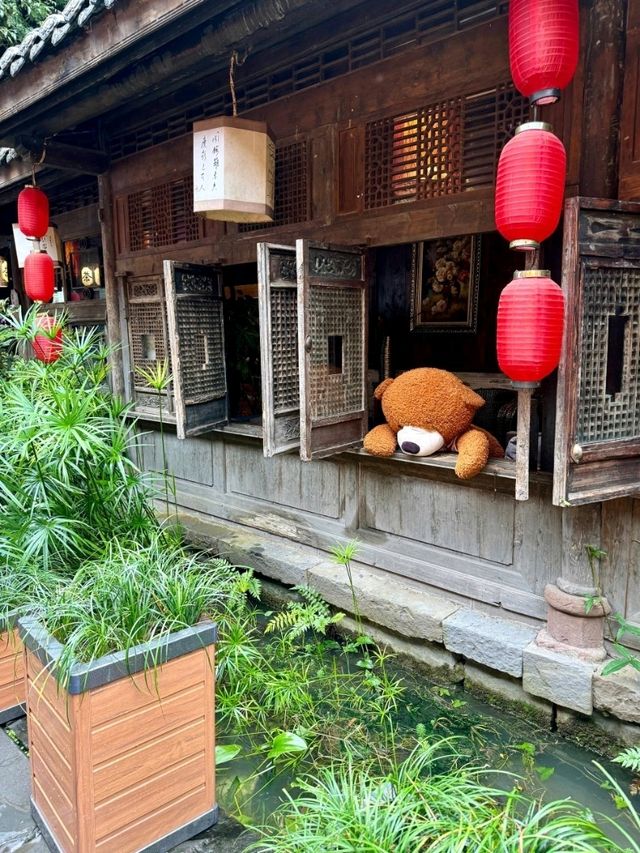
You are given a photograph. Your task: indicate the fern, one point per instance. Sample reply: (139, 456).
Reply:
(629, 758)
(310, 614)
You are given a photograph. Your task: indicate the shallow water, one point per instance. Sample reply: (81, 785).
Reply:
(542, 763)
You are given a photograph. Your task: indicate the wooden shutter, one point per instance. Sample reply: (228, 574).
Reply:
(278, 303)
(597, 454)
(196, 341)
(332, 342)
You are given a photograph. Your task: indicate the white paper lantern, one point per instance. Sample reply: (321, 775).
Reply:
(233, 169)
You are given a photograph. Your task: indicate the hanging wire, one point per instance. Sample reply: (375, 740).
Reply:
(38, 162)
(232, 83)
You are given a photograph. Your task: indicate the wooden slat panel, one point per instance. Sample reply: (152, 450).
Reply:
(150, 795)
(147, 688)
(58, 795)
(127, 730)
(11, 694)
(148, 759)
(56, 824)
(158, 824)
(57, 761)
(58, 728)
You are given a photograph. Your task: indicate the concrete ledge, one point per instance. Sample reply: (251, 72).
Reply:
(496, 643)
(404, 607)
(450, 641)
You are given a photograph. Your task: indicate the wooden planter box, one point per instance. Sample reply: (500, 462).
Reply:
(123, 760)
(12, 690)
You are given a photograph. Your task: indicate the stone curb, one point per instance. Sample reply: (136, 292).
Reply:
(446, 638)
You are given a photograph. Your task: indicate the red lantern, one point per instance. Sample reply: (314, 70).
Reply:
(33, 212)
(48, 347)
(39, 278)
(530, 325)
(544, 40)
(530, 186)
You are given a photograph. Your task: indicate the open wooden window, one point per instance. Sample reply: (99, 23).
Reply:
(196, 342)
(278, 298)
(332, 342)
(313, 333)
(597, 454)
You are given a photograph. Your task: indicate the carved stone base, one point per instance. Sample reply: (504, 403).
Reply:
(570, 629)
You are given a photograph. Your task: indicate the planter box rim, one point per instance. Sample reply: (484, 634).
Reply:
(117, 665)
(10, 621)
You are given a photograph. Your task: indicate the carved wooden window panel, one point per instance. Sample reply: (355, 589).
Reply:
(313, 342)
(148, 340)
(292, 192)
(196, 339)
(441, 149)
(597, 453)
(162, 216)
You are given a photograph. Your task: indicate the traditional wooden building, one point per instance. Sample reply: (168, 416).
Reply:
(388, 121)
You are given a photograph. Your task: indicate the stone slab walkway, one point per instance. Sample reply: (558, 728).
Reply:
(19, 834)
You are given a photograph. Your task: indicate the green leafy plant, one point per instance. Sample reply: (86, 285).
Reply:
(67, 480)
(625, 657)
(312, 613)
(629, 758)
(436, 801)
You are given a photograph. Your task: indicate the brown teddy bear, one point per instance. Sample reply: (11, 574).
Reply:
(429, 410)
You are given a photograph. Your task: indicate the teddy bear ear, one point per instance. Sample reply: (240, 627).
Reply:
(472, 399)
(382, 387)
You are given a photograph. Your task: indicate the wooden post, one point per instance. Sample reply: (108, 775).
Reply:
(110, 283)
(604, 76)
(522, 443)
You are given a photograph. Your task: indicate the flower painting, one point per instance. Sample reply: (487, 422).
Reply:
(445, 284)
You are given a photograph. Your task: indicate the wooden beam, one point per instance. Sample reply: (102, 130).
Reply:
(72, 158)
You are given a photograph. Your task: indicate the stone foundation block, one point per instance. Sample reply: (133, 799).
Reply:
(437, 663)
(618, 693)
(393, 603)
(559, 678)
(495, 643)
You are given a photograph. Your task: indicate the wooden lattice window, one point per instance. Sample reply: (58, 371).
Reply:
(440, 149)
(291, 203)
(162, 216)
(597, 453)
(148, 339)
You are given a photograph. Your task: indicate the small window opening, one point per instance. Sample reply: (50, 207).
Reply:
(242, 342)
(615, 350)
(148, 347)
(334, 360)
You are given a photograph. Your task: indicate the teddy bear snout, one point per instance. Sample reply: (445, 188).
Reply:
(409, 447)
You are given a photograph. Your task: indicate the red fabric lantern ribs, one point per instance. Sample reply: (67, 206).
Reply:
(33, 212)
(530, 326)
(48, 347)
(530, 186)
(544, 40)
(39, 278)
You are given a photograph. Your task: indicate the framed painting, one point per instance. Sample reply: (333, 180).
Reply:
(444, 284)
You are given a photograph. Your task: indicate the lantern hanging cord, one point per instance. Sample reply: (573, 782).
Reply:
(232, 82)
(233, 64)
(38, 162)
